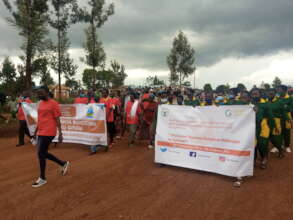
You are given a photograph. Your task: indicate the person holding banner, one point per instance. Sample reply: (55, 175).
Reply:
(23, 129)
(117, 112)
(148, 113)
(264, 124)
(48, 122)
(110, 108)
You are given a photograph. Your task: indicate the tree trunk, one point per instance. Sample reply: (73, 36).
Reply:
(59, 55)
(29, 55)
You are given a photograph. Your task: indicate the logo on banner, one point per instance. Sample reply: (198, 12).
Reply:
(222, 159)
(165, 112)
(90, 112)
(163, 149)
(192, 154)
(228, 113)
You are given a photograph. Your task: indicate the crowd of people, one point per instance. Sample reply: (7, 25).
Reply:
(135, 111)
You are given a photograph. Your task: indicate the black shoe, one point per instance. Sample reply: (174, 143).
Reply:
(19, 145)
(93, 153)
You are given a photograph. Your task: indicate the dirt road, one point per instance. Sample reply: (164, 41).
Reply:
(126, 184)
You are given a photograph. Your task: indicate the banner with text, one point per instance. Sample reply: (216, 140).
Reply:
(214, 139)
(81, 124)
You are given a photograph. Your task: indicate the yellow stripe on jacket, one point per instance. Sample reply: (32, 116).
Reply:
(278, 129)
(288, 122)
(265, 129)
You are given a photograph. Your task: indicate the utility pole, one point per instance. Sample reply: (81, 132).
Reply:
(194, 75)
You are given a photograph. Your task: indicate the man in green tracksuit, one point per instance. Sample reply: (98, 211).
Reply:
(264, 123)
(286, 123)
(279, 115)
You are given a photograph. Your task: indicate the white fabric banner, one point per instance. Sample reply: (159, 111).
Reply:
(214, 139)
(81, 124)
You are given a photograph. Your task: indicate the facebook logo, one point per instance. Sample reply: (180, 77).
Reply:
(192, 154)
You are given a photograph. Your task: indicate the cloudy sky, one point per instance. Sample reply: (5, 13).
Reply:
(246, 41)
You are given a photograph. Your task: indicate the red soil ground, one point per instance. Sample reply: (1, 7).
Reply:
(125, 183)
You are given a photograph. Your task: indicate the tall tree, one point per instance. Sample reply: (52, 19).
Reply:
(277, 82)
(64, 14)
(41, 68)
(96, 14)
(182, 58)
(30, 18)
(95, 54)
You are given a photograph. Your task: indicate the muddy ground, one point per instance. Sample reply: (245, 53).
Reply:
(125, 183)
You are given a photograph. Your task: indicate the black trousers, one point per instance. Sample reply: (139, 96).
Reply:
(111, 131)
(23, 129)
(43, 146)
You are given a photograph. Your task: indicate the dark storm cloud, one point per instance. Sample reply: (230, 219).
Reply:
(141, 31)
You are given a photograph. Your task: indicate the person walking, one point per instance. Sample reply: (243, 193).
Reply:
(132, 117)
(48, 122)
(287, 122)
(110, 107)
(23, 129)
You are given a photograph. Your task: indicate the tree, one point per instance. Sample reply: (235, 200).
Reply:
(154, 81)
(158, 82)
(119, 74)
(30, 18)
(174, 78)
(93, 79)
(181, 59)
(89, 78)
(41, 69)
(8, 76)
(64, 14)
(241, 87)
(267, 86)
(72, 84)
(8, 71)
(187, 84)
(222, 89)
(277, 82)
(95, 54)
(208, 87)
(96, 17)
(149, 80)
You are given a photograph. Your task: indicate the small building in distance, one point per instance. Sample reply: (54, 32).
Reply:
(65, 91)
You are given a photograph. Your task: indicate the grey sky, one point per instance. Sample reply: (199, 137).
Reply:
(140, 33)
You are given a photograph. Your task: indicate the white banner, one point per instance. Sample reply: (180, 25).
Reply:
(81, 124)
(214, 139)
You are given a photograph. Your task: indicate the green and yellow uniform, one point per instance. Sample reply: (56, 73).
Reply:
(286, 101)
(264, 124)
(278, 113)
(193, 102)
(207, 104)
